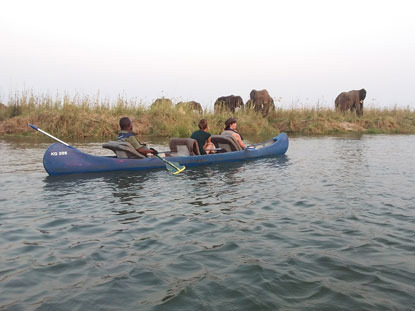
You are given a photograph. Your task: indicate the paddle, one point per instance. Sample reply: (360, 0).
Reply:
(172, 167)
(47, 134)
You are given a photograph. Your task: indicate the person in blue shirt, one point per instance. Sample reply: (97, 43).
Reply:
(203, 138)
(126, 134)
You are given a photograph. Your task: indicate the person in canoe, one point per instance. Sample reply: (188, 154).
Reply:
(230, 130)
(126, 134)
(202, 136)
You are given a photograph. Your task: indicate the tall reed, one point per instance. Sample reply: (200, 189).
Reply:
(91, 117)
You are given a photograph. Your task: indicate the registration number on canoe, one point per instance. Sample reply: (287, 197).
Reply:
(58, 153)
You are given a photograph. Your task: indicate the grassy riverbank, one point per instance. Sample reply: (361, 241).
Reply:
(86, 117)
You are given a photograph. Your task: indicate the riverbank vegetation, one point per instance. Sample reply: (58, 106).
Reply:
(85, 117)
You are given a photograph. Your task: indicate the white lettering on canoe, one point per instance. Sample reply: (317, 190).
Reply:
(59, 153)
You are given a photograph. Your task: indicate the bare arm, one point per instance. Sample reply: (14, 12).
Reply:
(141, 148)
(208, 142)
(239, 140)
(144, 151)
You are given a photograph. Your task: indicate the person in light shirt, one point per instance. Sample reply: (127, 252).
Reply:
(230, 130)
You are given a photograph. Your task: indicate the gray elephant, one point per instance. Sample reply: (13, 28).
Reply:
(352, 100)
(192, 105)
(228, 103)
(162, 103)
(260, 101)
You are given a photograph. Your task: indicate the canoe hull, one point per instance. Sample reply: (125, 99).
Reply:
(60, 159)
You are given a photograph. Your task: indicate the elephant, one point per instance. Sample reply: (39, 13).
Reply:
(260, 101)
(352, 100)
(162, 103)
(192, 105)
(228, 103)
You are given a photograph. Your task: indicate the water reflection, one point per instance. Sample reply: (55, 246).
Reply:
(227, 186)
(127, 187)
(124, 185)
(350, 164)
(280, 162)
(129, 215)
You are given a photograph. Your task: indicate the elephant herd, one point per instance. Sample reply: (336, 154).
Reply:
(262, 102)
(167, 103)
(259, 101)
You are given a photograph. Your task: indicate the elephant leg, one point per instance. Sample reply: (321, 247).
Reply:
(359, 111)
(265, 109)
(350, 106)
(356, 107)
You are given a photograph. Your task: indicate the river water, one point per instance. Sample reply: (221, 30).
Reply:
(328, 226)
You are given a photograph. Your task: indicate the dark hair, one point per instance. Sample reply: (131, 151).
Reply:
(203, 124)
(229, 122)
(125, 123)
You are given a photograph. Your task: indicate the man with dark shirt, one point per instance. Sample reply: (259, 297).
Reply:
(126, 134)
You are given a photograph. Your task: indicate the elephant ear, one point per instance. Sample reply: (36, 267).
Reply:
(362, 94)
(252, 95)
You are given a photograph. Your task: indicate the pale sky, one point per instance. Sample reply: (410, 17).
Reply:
(303, 52)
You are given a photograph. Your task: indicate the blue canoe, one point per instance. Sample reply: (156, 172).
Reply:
(60, 159)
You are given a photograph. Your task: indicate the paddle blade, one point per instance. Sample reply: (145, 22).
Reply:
(175, 167)
(172, 167)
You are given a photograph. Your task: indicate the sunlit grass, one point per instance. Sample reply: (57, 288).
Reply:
(91, 117)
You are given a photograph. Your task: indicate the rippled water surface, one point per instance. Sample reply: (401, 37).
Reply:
(329, 226)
